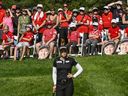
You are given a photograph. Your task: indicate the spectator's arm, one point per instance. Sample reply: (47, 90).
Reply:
(11, 15)
(29, 13)
(114, 3)
(124, 20)
(57, 22)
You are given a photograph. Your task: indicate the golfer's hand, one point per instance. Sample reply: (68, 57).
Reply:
(54, 88)
(70, 75)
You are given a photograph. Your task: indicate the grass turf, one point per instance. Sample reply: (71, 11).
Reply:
(102, 76)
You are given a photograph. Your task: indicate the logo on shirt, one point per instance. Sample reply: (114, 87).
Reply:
(59, 62)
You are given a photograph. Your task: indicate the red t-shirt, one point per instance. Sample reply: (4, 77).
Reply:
(27, 35)
(96, 33)
(126, 31)
(39, 20)
(82, 28)
(2, 14)
(74, 36)
(48, 34)
(106, 18)
(7, 37)
(113, 32)
(62, 17)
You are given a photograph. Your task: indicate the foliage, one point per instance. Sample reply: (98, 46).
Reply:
(57, 3)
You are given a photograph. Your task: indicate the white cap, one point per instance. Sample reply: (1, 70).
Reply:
(48, 12)
(106, 7)
(60, 9)
(29, 25)
(95, 8)
(40, 5)
(95, 24)
(72, 25)
(114, 21)
(75, 10)
(82, 8)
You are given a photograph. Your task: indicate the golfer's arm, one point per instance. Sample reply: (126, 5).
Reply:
(79, 70)
(54, 75)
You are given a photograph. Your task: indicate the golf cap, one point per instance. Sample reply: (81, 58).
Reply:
(114, 21)
(60, 9)
(39, 6)
(82, 9)
(106, 7)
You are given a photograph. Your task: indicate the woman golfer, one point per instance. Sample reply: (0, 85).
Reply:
(62, 76)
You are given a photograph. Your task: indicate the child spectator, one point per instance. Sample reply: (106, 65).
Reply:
(7, 40)
(24, 41)
(73, 39)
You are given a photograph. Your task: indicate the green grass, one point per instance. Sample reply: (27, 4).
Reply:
(102, 76)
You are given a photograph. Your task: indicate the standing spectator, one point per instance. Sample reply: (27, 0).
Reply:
(48, 38)
(7, 20)
(67, 12)
(74, 16)
(83, 22)
(63, 26)
(115, 8)
(16, 14)
(23, 21)
(125, 18)
(38, 21)
(24, 42)
(2, 14)
(107, 17)
(94, 37)
(7, 40)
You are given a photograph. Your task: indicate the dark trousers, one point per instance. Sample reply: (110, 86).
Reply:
(68, 90)
(90, 44)
(63, 36)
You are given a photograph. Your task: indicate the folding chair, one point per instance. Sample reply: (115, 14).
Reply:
(33, 46)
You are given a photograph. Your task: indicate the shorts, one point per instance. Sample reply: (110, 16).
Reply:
(22, 44)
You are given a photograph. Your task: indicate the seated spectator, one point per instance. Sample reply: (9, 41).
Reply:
(48, 39)
(7, 20)
(24, 41)
(114, 32)
(73, 39)
(7, 40)
(93, 39)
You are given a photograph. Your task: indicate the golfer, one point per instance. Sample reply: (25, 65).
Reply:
(62, 76)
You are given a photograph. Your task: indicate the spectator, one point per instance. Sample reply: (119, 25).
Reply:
(24, 42)
(114, 32)
(7, 20)
(94, 37)
(107, 17)
(83, 22)
(125, 18)
(23, 21)
(73, 39)
(7, 40)
(2, 14)
(48, 38)
(16, 14)
(38, 21)
(63, 26)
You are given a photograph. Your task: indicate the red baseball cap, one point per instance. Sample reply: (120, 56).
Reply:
(1, 3)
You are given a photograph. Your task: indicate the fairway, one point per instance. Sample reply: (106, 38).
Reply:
(102, 76)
